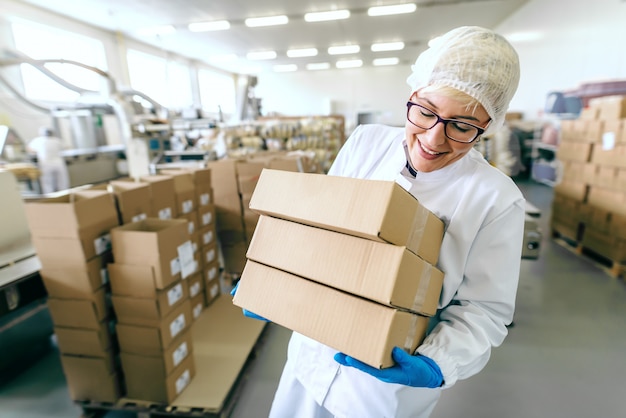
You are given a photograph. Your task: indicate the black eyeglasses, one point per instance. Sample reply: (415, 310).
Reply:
(455, 130)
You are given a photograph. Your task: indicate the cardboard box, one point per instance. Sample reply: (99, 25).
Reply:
(574, 151)
(87, 342)
(93, 379)
(162, 245)
(80, 313)
(67, 215)
(209, 253)
(355, 326)
(248, 173)
(146, 379)
(133, 200)
(610, 200)
(204, 195)
(152, 341)
(390, 213)
(206, 216)
(381, 272)
(65, 252)
(192, 221)
(211, 292)
(149, 311)
(198, 303)
(162, 196)
(211, 272)
(195, 285)
(207, 235)
(77, 281)
(572, 189)
(185, 190)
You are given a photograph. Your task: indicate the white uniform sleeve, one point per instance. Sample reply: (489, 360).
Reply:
(477, 317)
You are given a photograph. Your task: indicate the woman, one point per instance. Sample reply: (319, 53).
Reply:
(461, 88)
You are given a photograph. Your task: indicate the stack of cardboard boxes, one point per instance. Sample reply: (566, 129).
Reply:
(153, 259)
(195, 204)
(347, 262)
(590, 201)
(71, 234)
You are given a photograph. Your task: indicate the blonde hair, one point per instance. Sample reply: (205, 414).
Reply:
(470, 103)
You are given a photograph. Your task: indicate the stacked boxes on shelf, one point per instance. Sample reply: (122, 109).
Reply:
(195, 197)
(360, 281)
(589, 204)
(153, 261)
(71, 234)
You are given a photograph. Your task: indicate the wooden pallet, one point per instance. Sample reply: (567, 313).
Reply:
(612, 267)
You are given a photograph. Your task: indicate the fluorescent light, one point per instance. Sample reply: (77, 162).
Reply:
(255, 22)
(387, 46)
(157, 30)
(303, 52)
(386, 61)
(323, 16)
(392, 10)
(349, 63)
(209, 26)
(318, 66)
(261, 55)
(346, 49)
(285, 68)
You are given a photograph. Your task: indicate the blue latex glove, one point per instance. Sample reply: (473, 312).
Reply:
(245, 311)
(416, 371)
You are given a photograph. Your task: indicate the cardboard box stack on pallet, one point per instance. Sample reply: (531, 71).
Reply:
(590, 202)
(347, 262)
(71, 234)
(234, 180)
(153, 261)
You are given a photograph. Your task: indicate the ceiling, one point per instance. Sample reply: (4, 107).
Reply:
(432, 18)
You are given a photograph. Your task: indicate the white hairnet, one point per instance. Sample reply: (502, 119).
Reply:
(476, 61)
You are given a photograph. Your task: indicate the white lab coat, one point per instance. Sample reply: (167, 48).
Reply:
(54, 175)
(483, 211)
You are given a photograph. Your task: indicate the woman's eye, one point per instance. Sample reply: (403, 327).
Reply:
(461, 127)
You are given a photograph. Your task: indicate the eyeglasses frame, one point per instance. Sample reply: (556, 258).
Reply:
(445, 122)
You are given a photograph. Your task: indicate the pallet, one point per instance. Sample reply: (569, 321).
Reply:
(611, 267)
(206, 396)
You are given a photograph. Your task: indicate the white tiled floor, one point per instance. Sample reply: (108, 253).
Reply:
(564, 357)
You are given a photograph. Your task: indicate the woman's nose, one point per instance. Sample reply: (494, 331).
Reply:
(436, 135)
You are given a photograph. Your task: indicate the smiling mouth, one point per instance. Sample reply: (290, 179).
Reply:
(429, 152)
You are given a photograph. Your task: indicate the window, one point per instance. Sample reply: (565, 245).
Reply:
(217, 91)
(43, 42)
(166, 82)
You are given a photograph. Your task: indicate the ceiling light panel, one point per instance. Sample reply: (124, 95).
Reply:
(386, 61)
(349, 63)
(394, 9)
(318, 66)
(303, 52)
(285, 68)
(387, 46)
(255, 22)
(325, 16)
(345, 49)
(209, 26)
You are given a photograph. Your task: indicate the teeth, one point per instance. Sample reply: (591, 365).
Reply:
(428, 151)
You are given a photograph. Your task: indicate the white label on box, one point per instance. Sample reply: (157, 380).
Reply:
(104, 275)
(175, 294)
(211, 274)
(177, 325)
(207, 218)
(194, 289)
(197, 310)
(175, 266)
(102, 243)
(210, 255)
(608, 141)
(139, 217)
(165, 213)
(187, 206)
(214, 290)
(194, 246)
(180, 353)
(182, 381)
(207, 238)
(191, 227)
(185, 255)
(205, 199)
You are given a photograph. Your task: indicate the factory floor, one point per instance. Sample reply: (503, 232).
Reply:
(564, 357)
